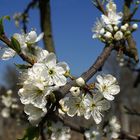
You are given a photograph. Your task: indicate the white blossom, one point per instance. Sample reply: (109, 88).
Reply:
(94, 106)
(34, 93)
(80, 81)
(9, 103)
(73, 105)
(31, 37)
(92, 134)
(59, 131)
(112, 17)
(55, 71)
(27, 39)
(35, 114)
(108, 86)
(75, 91)
(113, 128)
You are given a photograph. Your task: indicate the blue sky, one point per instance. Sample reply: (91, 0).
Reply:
(72, 21)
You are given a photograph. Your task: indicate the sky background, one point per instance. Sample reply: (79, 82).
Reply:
(72, 21)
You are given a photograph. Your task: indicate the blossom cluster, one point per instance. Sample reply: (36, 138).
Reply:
(108, 28)
(45, 76)
(9, 102)
(57, 131)
(40, 80)
(111, 130)
(80, 103)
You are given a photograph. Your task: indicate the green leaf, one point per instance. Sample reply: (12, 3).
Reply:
(15, 44)
(1, 24)
(32, 133)
(23, 66)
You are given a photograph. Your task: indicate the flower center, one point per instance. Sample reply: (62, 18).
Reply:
(51, 72)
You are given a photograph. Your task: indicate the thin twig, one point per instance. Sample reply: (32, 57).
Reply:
(101, 7)
(9, 44)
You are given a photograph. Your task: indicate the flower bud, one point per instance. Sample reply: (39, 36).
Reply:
(135, 26)
(108, 35)
(116, 28)
(123, 28)
(109, 28)
(9, 92)
(80, 81)
(102, 31)
(75, 91)
(126, 25)
(118, 35)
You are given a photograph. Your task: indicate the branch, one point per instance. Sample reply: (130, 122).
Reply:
(91, 71)
(130, 40)
(127, 135)
(100, 7)
(131, 111)
(8, 43)
(45, 19)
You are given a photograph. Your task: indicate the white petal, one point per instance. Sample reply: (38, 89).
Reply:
(97, 97)
(64, 65)
(108, 96)
(41, 55)
(109, 80)
(59, 80)
(103, 105)
(97, 116)
(20, 38)
(100, 79)
(6, 53)
(72, 111)
(114, 89)
(39, 37)
(31, 37)
(87, 115)
(50, 60)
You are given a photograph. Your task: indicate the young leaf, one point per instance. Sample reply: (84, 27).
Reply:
(32, 133)
(1, 24)
(15, 44)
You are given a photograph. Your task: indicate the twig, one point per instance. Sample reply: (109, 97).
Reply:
(101, 7)
(8, 43)
(25, 14)
(91, 71)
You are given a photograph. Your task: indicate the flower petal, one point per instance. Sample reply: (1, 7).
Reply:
(7, 53)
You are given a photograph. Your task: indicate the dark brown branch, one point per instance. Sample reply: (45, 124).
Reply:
(91, 71)
(45, 19)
